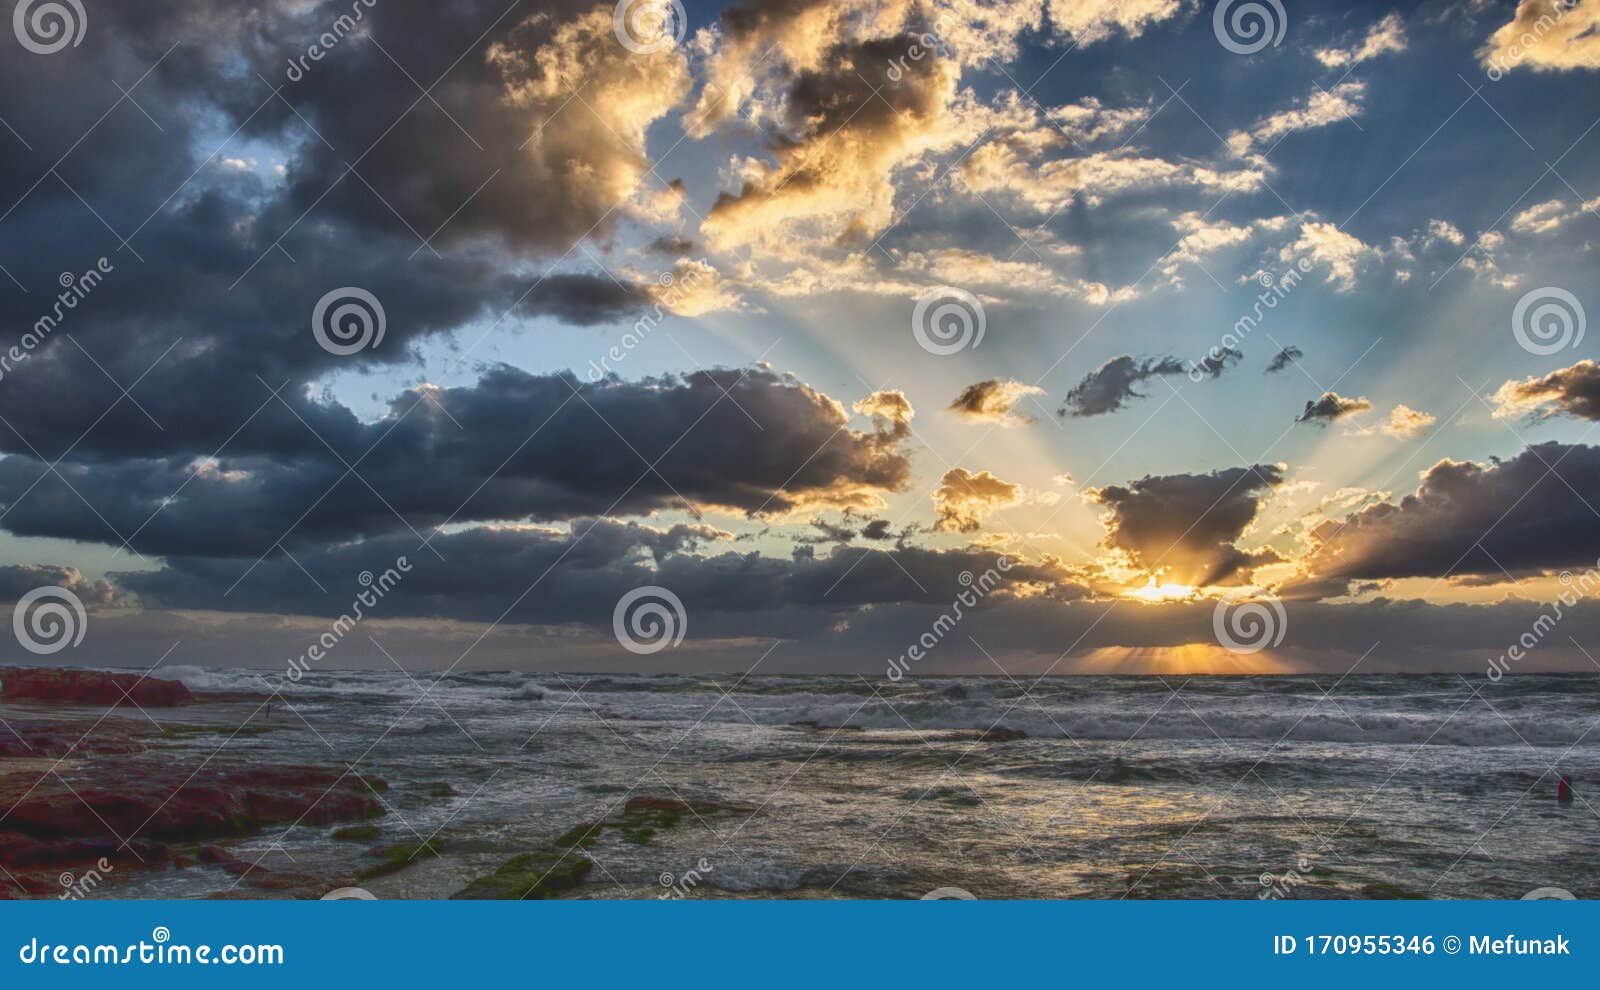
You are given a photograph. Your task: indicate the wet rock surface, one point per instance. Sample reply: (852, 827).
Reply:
(62, 685)
(102, 796)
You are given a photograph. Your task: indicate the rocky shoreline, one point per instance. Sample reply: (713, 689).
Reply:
(91, 797)
(146, 780)
(103, 797)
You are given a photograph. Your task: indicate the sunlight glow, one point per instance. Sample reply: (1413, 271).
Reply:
(1153, 592)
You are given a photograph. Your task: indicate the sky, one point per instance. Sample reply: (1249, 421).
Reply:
(1151, 336)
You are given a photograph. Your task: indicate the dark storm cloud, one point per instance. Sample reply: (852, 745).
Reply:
(1573, 391)
(226, 259)
(1331, 406)
(1188, 524)
(501, 148)
(1213, 365)
(672, 245)
(735, 604)
(486, 573)
(17, 580)
(1281, 360)
(827, 532)
(1534, 512)
(513, 446)
(1110, 387)
(877, 529)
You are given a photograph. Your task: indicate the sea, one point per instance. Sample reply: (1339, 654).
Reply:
(1238, 787)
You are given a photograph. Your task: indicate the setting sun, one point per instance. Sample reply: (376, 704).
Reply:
(1152, 592)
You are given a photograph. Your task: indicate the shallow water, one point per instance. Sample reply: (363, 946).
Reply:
(1238, 787)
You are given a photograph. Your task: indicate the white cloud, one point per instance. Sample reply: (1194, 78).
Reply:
(1388, 35)
(1546, 36)
(1549, 216)
(1203, 238)
(1319, 109)
(1006, 167)
(1325, 244)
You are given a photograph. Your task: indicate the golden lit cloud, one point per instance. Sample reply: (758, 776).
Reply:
(963, 499)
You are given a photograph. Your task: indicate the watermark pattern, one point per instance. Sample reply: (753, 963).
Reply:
(680, 886)
(49, 27)
(1274, 290)
(1249, 623)
(1549, 894)
(649, 619)
(74, 289)
(376, 587)
(947, 320)
(1251, 26)
(348, 320)
(341, 28)
(1276, 888)
(925, 44)
(949, 894)
(1575, 588)
(158, 951)
(977, 588)
(645, 27)
(674, 288)
(48, 620)
(77, 887)
(1530, 39)
(1548, 320)
(349, 894)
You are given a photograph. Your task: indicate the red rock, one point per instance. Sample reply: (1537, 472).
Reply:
(73, 795)
(67, 685)
(639, 804)
(167, 804)
(20, 739)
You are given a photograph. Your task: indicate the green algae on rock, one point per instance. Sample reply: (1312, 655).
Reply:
(529, 876)
(398, 856)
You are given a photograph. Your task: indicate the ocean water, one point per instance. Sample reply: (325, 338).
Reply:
(1209, 787)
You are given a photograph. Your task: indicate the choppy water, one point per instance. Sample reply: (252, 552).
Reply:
(1125, 786)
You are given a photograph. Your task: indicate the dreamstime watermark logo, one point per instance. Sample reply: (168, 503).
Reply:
(1248, 623)
(1251, 27)
(76, 888)
(1574, 589)
(924, 44)
(348, 320)
(376, 586)
(74, 289)
(342, 27)
(49, 27)
(1518, 50)
(1549, 894)
(947, 320)
(674, 288)
(645, 27)
(349, 894)
(680, 886)
(649, 619)
(160, 950)
(977, 588)
(949, 894)
(1278, 887)
(1548, 320)
(1274, 290)
(48, 620)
